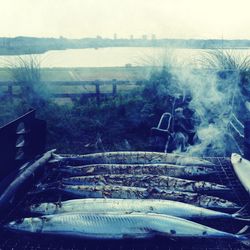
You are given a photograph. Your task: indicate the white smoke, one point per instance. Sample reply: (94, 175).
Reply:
(213, 100)
(212, 80)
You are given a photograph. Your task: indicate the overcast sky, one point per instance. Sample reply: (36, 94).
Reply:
(164, 18)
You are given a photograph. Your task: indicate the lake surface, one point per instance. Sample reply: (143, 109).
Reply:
(118, 57)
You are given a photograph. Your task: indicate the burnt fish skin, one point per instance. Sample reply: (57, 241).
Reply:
(117, 226)
(122, 192)
(242, 169)
(168, 207)
(186, 172)
(132, 157)
(146, 181)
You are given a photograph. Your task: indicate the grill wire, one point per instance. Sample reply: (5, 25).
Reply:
(225, 175)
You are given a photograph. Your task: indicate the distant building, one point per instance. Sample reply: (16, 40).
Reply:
(144, 37)
(153, 37)
(131, 37)
(128, 65)
(115, 36)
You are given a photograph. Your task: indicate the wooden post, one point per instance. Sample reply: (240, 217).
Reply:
(247, 140)
(10, 91)
(97, 88)
(114, 90)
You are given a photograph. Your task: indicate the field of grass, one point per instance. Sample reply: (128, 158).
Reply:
(85, 74)
(82, 74)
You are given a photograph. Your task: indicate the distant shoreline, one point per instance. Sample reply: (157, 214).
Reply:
(25, 53)
(32, 45)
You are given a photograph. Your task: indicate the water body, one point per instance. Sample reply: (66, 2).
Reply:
(118, 57)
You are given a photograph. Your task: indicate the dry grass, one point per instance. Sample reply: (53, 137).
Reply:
(221, 59)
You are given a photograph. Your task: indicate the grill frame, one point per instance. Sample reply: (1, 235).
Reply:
(11, 240)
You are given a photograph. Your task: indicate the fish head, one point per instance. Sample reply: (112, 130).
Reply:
(44, 208)
(33, 225)
(236, 158)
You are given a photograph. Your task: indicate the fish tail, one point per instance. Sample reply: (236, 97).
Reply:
(244, 236)
(54, 184)
(243, 213)
(46, 188)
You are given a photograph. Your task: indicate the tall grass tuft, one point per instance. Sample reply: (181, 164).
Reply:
(25, 69)
(27, 72)
(221, 59)
(230, 66)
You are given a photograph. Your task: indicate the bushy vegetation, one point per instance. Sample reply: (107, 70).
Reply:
(115, 124)
(121, 123)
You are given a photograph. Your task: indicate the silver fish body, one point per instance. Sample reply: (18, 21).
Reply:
(242, 169)
(132, 157)
(122, 192)
(146, 181)
(167, 207)
(187, 172)
(117, 226)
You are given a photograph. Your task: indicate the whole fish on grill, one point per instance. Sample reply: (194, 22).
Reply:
(125, 226)
(163, 182)
(131, 157)
(122, 192)
(24, 174)
(186, 172)
(168, 207)
(242, 169)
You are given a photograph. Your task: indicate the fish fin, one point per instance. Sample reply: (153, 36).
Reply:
(42, 190)
(154, 190)
(244, 236)
(151, 231)
(244, 230)
(49, 185)
(90, 170)
(56, 158)
(243, 213)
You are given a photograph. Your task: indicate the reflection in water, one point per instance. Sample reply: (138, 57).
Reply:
(118, 57)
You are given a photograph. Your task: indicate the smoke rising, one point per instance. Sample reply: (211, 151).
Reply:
(214, 101)
(214, 84)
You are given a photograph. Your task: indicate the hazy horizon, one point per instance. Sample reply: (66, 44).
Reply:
(181, 19)
(134, 37)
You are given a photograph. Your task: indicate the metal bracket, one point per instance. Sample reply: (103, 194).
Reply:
(20, 141)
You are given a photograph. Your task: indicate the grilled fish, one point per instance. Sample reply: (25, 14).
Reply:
(24, 174)
(163, 182)
(131, 157)
(173, 208)
(120, 192)
(242, 169)
(186, 172)
(117, 226)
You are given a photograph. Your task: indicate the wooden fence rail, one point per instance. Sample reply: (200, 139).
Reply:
(9, 92)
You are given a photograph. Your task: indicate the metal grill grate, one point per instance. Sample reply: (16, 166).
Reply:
(225, 175)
